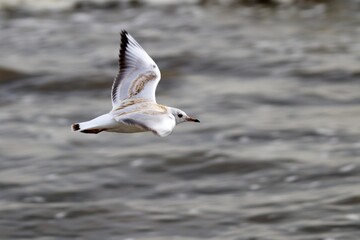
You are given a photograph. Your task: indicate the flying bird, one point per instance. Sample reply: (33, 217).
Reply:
(134, 107)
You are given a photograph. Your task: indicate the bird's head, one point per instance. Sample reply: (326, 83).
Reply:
(181, 116)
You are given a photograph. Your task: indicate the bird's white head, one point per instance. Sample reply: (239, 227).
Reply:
(180, 116)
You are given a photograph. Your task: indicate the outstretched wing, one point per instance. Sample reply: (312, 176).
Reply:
(138, 74)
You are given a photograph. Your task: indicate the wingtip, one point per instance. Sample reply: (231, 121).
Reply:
(123, 32)
(124, 39)
(124, 35)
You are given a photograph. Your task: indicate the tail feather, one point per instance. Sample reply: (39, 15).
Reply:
(75, 127)
(95, 125)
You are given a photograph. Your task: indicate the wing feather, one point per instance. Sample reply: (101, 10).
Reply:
(155, 120)
(138, 74)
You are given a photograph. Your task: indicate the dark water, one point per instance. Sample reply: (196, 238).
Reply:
(275, 157)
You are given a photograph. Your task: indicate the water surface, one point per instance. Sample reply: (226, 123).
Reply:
(275, 156)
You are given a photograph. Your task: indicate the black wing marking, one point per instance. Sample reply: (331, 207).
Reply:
(122, 65)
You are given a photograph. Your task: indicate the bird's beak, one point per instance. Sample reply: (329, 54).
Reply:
(190, 119)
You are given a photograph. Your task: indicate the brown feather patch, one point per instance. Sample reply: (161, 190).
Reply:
(139, 84)
(129, 103)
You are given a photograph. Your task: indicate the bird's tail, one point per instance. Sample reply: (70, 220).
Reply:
(75, 127)
(96, 125)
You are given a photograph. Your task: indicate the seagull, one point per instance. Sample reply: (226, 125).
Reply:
(134, 107)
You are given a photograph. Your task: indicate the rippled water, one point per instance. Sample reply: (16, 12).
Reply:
(276, 155)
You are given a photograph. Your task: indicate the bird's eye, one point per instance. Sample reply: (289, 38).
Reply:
(180, 115)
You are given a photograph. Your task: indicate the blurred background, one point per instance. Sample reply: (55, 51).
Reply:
(275, 83)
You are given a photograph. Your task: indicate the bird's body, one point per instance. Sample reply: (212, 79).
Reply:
(133, 97)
